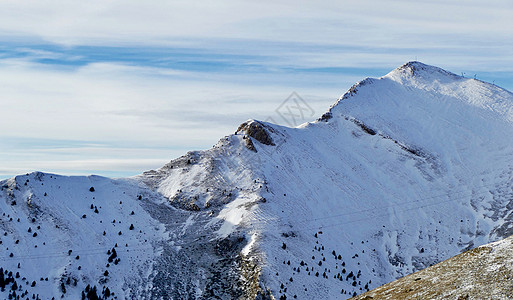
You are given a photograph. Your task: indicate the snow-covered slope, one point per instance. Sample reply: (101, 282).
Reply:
(60, 231)
(402, 172)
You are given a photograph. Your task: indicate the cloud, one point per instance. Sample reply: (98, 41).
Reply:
(185, 23)
(109, 111)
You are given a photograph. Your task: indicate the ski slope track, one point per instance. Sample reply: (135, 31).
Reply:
(402, 172)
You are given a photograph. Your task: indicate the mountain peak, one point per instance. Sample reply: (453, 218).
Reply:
(418, 69)
(416, 85)
(409, 169)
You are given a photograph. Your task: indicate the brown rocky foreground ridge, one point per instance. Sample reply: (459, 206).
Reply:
(485, 272)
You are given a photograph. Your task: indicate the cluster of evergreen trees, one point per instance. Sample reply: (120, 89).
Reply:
(91, 293)
(8, 281)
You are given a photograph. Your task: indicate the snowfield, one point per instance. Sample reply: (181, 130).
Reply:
(402, 172)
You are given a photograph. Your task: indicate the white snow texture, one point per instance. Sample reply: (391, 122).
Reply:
(402, 172)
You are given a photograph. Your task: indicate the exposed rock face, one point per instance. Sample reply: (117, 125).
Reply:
(258, 131)
(325, 117)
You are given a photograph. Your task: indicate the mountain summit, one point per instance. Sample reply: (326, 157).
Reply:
(402, 172)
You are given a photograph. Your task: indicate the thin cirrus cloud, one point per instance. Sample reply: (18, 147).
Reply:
(118, 87)
(112, 105)
(160, 22)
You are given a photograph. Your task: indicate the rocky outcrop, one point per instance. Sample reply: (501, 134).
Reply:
(257, 131)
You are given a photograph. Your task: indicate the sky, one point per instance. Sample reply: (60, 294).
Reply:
(115, 88)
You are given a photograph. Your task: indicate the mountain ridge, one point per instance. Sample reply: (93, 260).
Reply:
(402, 172)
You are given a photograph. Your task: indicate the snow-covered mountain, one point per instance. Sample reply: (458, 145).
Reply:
(402, 172)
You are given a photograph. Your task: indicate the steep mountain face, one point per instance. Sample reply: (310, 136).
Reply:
(402, 172)
(484, 272)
